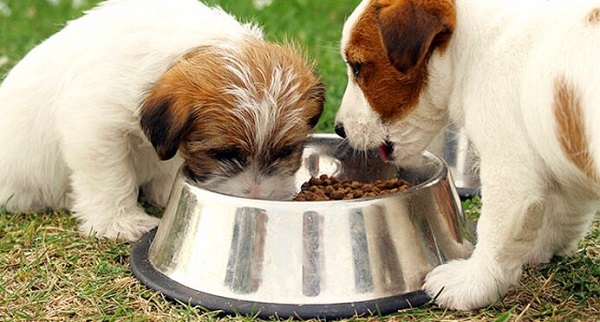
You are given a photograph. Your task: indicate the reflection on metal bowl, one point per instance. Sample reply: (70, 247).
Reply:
(327, 259)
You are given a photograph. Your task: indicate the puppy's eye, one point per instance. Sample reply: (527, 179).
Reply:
(287, 151)
(227, 154)
(356, 67)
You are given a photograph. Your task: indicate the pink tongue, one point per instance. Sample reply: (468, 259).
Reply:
(383, 153)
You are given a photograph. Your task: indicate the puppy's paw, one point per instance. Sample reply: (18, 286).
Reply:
(126, 227)
(463, 285)
(539, 257)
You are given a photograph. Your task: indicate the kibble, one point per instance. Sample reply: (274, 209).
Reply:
(329, 188)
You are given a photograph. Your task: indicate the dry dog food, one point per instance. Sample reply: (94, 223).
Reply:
(326, 188)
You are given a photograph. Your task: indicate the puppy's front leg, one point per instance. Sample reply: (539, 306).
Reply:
(158, 190)
(513, 204)
(107, 205)
(105, 187)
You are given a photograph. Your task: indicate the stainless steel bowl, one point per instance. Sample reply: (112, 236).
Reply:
(326, 259)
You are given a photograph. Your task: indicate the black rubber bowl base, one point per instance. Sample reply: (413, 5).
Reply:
(143, 270)
(467, 193)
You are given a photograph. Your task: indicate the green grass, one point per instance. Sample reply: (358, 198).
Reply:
(48, 271)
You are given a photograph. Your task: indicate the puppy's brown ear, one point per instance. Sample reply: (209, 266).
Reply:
(164, 121)
(316, 94)
(411, 29)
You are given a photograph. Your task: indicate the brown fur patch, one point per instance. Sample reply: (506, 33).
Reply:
(594, 16)
(195, 106)
(392, 41)
(571, 127)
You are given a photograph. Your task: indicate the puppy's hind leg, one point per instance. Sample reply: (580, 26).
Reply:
(104, 184)
(566, 221)
(511, 217)
(573, 232)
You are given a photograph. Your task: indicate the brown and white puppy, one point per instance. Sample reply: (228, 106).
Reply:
(522, 77)
(120, 97)
(239, 114)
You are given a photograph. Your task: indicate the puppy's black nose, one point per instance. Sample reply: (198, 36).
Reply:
(339, 130)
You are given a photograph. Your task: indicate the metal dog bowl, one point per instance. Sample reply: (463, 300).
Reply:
(319, 259)
(461, 157)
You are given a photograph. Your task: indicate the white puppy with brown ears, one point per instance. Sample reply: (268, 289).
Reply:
(523, 77)
(88, 115)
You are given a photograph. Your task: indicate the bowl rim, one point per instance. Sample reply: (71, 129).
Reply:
(440, 173)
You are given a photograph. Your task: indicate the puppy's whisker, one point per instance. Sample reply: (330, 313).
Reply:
(343, 141)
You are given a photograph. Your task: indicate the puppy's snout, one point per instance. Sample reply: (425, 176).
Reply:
(339, 130)
(254, 191)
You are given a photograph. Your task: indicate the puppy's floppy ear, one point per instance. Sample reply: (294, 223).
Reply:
(411, 29)
(164, 121)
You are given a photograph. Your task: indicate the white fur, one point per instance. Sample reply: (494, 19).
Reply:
(496, 77)
(69, 110)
